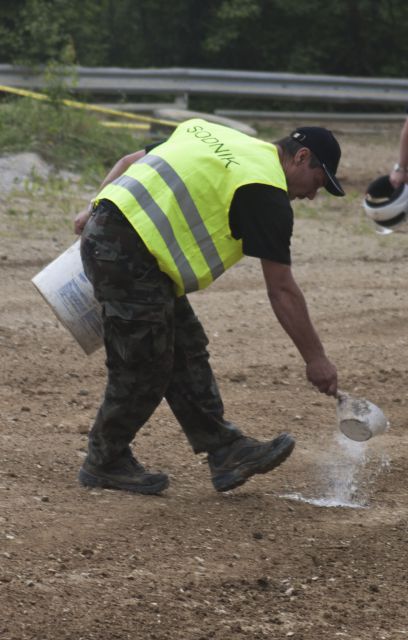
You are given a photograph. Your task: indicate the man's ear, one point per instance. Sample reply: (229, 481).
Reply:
(302, 156)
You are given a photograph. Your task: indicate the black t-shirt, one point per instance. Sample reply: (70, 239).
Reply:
(262, 217)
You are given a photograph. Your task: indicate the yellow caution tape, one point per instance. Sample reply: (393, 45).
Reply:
(125, 125)
(87, 107)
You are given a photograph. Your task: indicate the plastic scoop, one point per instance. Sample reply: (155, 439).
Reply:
(358, 418)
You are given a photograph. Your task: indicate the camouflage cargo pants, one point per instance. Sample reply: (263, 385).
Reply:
(155, 345)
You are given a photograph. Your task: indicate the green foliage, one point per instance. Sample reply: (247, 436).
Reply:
(230, 20)
(10, 35)
(36, 32)
(42, 38)
(64, 137)
(354, 37)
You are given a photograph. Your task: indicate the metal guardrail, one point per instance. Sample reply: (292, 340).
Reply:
(182, 82)
(330, 116)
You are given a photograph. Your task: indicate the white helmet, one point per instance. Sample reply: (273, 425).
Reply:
(386, 206)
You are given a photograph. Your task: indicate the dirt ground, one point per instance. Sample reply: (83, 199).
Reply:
(191, 564)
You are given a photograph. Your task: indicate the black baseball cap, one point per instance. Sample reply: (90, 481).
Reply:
(325, 147)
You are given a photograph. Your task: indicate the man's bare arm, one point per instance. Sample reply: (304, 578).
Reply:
(289, 305)
(116, 171)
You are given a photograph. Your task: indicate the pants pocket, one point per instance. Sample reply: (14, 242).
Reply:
(137, 333)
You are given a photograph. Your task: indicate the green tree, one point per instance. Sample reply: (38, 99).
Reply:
(41, 31)
(156, 33)
(10, 36)
(354, 37)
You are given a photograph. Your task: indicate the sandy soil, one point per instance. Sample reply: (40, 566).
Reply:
(192, 564)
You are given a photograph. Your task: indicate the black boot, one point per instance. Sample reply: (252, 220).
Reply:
(234, 463)
(125, 473)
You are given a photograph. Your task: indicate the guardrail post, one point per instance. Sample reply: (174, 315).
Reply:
(181, 101)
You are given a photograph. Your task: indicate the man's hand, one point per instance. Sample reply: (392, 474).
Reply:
(397, 178)
(323, 375)
(81, 220)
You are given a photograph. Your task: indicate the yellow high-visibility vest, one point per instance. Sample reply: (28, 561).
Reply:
(178, 197)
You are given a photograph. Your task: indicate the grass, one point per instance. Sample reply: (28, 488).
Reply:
(66, 138)
(74, 140)
(44, 206)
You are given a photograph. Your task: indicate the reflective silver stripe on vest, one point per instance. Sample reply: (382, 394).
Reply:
(189, 211)
(163, 226)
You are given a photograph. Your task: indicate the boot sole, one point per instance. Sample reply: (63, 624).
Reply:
(237, 477)
(88, 480)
